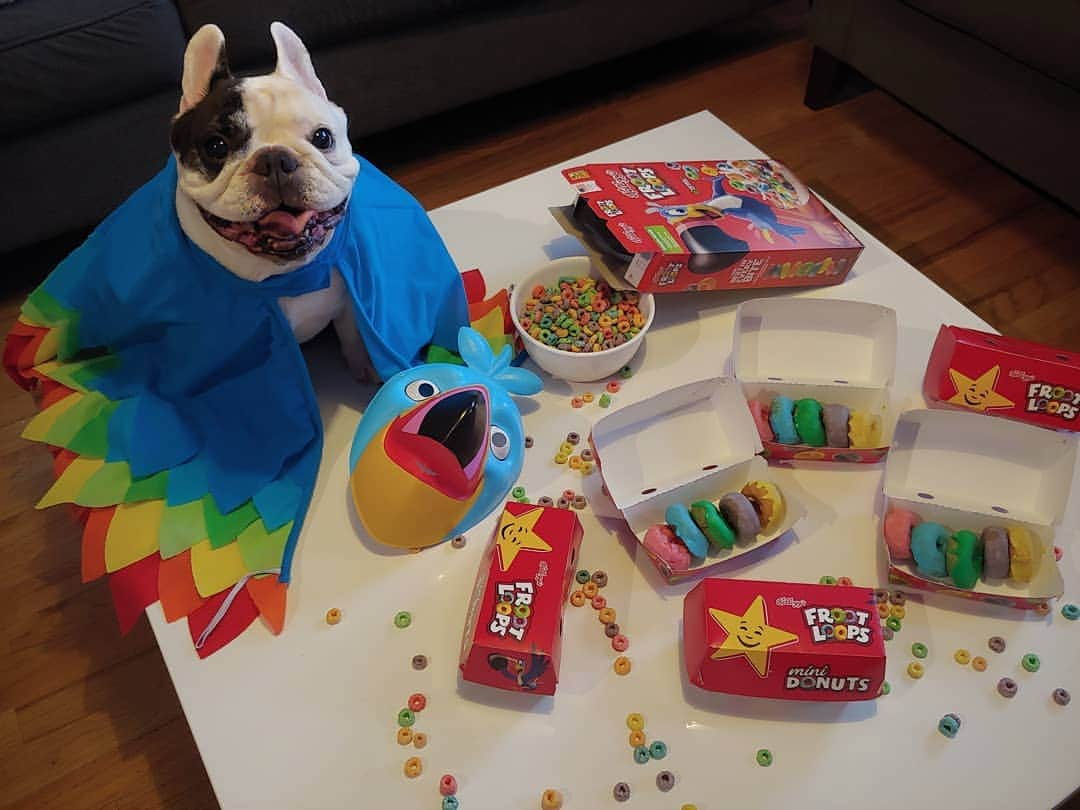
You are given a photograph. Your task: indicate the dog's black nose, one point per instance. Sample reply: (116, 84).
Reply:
(275, 161)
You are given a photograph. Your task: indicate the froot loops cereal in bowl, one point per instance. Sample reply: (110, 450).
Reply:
(574, 325)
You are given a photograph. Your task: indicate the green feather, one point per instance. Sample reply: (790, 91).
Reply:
(75, 418)
(107, 486)
(148, 488)
(93, 439)
(181, 528)
(262, 550)
(223, 529)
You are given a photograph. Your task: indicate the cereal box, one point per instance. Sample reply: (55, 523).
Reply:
(783, 640)
(513, 631)
(1003, 376)
(706, 225)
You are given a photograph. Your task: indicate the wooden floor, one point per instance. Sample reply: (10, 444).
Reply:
(89, 719)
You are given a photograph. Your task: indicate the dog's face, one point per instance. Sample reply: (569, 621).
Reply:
(264, 164)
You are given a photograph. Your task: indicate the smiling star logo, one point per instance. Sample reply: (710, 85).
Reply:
(516, 534)
(750, 635)
(978, 393)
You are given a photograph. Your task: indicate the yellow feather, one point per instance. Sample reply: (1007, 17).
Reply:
(215, 570)
(133, 533)
(39, 426)
(71, 482)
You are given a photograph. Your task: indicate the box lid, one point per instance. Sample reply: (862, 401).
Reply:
(815, 340)
(680, 436)
(982, 465)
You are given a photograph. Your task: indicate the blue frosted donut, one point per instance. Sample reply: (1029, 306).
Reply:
(928, 541)
(782, 420)
(678, 517)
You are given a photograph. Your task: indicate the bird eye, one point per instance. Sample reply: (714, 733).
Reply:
(500, 443)
(322, 138)
(420, 390)
(216, 148)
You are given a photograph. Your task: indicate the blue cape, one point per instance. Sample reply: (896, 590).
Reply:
(204, 379)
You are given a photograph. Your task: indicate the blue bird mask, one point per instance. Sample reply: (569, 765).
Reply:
(440, 446)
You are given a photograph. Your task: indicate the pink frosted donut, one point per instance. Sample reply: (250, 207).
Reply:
(761, 419)
(661, 542)
(898, 525)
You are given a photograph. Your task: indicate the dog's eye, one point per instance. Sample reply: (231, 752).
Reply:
(216, 148)
(322, 139)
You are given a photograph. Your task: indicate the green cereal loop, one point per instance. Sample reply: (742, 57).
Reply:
(885, 688)
(406, 717)
(764, 757)
(827, 580)
(641, 755)
(402, 619)
(893, 624)
(517, 492)
(1031, 662)
(582, 576)
(918, 649)
(808, 422)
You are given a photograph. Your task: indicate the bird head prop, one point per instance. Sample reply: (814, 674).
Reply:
(440, 446)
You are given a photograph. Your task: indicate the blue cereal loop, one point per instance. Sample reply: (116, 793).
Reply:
(678, 517)
(782, 420)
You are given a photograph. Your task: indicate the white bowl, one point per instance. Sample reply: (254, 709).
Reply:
(576, 367)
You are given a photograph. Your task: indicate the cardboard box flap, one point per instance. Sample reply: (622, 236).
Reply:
(673, 439)
(815, 341)
(987, 466)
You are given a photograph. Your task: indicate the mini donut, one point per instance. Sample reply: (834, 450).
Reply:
(928, 548)
(835, 418)
(964, 558)
(995, 542)
(662, 543)
(761, 419)
(767, 502)
(897, 528)
(739, 513)
(677, 516)
(1023, 554)
(712, 524)
(782, 420)
(864, 430)
(808, 422)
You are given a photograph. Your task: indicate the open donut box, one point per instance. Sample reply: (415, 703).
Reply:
(968, 471)
(834, 351)
(693, 442)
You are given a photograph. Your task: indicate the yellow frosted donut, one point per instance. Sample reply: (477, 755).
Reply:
(864, 430)
(768, 503)
(1023, 554)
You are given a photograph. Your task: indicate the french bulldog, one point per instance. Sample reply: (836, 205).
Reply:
(265, 170)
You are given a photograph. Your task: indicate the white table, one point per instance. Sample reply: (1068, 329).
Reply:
(308, 719)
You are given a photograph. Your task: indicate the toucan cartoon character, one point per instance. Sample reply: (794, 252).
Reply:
(440, 446)
(515, 669)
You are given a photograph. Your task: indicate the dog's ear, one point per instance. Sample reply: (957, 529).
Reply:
(204, 63)
(293, 60)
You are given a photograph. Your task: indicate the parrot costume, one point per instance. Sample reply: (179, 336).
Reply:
(178, 406)
(440, 446)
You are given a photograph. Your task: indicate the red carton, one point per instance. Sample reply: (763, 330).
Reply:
(528, 568)
(1002, 376)
(783, 640)
(706, 225)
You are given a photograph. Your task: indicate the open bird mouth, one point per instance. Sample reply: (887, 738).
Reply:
(284, 233)
(442, 441)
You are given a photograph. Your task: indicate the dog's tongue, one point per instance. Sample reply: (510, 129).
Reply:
(282, 222)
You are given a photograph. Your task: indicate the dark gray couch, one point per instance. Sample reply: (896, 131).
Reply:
(89, 86)
(1003, 76)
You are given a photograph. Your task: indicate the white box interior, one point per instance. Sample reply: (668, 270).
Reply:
(974, 463)
(815, 340)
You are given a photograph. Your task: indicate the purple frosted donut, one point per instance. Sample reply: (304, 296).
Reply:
(836, 425)
(995, 552)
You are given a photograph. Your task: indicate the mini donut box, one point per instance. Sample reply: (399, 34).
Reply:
(831, 350)
(967, 471)
(694, 442)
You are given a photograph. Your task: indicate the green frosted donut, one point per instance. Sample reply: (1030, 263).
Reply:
(712, 523)
(808, 422)
(964, 558)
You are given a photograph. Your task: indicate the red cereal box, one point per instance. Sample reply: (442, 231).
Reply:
(513, 631)
(706, 225)
(1003, 376)
(783, 640)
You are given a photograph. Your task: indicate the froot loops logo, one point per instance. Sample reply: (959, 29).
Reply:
(1053, 399)
(513, 607)
(837, 624)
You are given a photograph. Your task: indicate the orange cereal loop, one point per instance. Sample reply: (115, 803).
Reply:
(637, 738)
(883, 610)
(577, 598)
(333, 616)
(978, 663)
(622, 665)
(413, 767)
(587, 396)
(404, 736)
(551, 799)
(606, 615)
(419, 739)
(590, 589)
